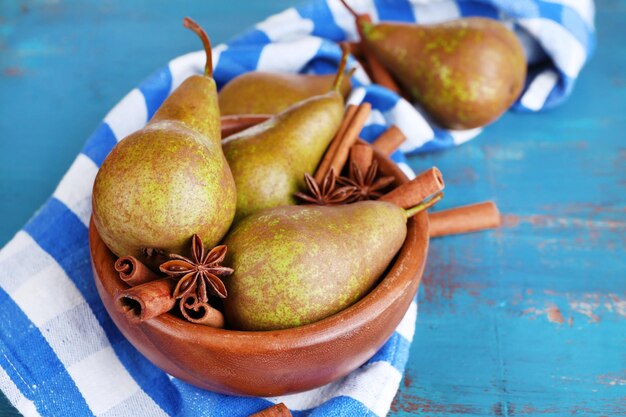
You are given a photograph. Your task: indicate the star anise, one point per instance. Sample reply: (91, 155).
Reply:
(327, 193)
(200, 274)
(368, 186)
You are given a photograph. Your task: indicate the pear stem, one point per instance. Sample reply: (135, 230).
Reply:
(191, 24)
(423, 205)
(350, 9)
(363, 21)
(341, 70)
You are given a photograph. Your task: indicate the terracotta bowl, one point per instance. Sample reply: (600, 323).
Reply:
(270, 363)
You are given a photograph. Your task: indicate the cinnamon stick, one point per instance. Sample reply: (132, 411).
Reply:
(361, 155)
(133, 272)
(324, 164)
(414, 192)
(198, 312)
(148, 300)
(350, 137)
(465, 219)
(278, 410)
(232, 124)
(389, 141)
(354, 48)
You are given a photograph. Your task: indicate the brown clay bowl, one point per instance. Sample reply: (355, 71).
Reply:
(270, 363)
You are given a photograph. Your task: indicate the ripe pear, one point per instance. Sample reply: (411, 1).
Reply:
(465, 73)
(259, 92)
(295, 265)
(169, 180)
(269, 160)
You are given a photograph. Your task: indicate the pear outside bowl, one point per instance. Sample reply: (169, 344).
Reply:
(270, 363)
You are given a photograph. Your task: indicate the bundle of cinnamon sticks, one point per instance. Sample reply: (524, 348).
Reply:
(149, 295)
(339, 149)
(458, 220)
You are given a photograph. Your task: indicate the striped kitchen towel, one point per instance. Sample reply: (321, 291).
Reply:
(61, 355)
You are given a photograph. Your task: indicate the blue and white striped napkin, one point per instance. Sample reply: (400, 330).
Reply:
(60, 353)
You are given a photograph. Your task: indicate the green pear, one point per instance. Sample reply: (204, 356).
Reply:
(295, 265)
(465, 73)
(269, 160)
(169, 180)
(259, 92)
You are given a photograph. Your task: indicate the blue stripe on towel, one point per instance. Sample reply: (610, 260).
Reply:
(156, 88)
(401, 12)
(219, 404)
(235, 62)
(100, 143)
(323, 24)
(371, 132)
(474, 8)
(381, 98)
(395, 351)
(251, 37)
(34, 367)
(338, 406)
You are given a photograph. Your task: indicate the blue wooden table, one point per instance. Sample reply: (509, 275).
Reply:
(526, 320)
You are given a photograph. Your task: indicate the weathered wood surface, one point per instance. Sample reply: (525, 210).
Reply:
(526, 320)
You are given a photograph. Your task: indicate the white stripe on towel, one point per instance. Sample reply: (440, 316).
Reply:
(129, 115)
(564, 49)
(539, 90)
(435, 12)
(406, 328)
(289, 56)
(462, 136)
(74, 190)
(345, 20)
(411, 123)
(287, 25)
(374, 386)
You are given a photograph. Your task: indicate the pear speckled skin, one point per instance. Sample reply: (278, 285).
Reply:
(465, 73)
(295, 265)
(269, 160)
(169, 180)
(259, 92)
(194, 103)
